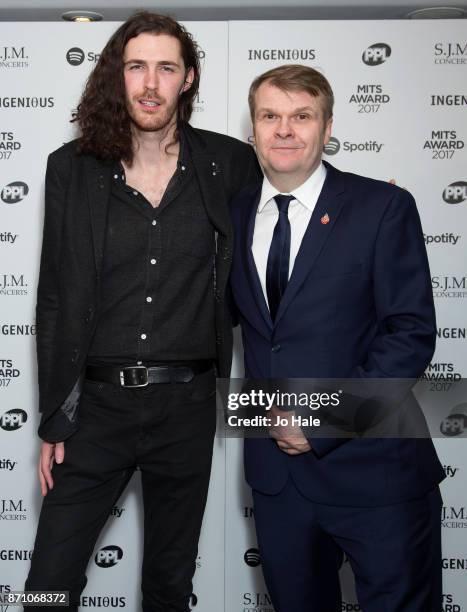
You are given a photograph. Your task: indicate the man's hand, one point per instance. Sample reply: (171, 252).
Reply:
(289, 438)
(49, 454)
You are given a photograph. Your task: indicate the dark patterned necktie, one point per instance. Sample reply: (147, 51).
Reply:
(277, 270)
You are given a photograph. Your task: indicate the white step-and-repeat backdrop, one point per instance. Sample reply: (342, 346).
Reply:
(400, 114)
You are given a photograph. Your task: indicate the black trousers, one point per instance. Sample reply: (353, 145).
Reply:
(165, 429)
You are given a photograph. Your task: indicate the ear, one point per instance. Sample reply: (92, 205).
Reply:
(189, 76)
(327, 131)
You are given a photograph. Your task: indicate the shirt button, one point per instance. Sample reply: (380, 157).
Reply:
(154, 222)
(183, 168)
(143, 336)
(149, 299)
(115, 176)
(153, 262)
(135, 193)
(276, 348)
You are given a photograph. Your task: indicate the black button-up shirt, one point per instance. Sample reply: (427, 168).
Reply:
(157, 290)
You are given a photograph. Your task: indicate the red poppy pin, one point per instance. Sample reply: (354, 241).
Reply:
(325, 219)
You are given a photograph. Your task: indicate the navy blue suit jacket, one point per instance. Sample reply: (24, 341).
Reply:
(358, 304)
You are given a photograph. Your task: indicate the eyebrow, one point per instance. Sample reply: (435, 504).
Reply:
(296, 110)
(144, 62)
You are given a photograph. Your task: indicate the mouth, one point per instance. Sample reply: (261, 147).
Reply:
(287, 148)
(149, 104)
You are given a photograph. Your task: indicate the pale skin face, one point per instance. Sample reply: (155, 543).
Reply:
(155, 76)
(290, 133)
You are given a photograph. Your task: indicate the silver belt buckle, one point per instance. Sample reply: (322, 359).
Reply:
(143, 378)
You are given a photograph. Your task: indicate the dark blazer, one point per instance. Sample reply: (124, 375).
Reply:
(358, 305)
(76, 200)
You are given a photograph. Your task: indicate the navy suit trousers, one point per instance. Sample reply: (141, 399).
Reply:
(394, 552)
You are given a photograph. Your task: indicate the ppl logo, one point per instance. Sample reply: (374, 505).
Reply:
(75, 56)
(456, 423)
(376, 54)
(13, 419)
(252, 557)
(14, 192)
(455, 193)
(108, 556)
(332, 147)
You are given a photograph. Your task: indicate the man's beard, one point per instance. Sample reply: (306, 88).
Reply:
(152, 122)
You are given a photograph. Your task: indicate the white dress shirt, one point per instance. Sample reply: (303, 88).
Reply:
(299, 213)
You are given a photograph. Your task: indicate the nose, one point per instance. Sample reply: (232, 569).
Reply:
(151, 79)
(284, 128)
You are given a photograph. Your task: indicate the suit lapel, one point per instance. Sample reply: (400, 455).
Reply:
(252, 271)
(98, 177)
(319, 229)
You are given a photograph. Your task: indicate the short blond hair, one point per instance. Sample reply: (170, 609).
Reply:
(295, 77)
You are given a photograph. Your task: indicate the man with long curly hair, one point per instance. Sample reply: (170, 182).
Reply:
(131, 316)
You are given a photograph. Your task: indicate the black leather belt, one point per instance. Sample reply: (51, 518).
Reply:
(142, 376)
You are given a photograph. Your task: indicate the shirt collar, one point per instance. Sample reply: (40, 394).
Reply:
(183, 159)
(307, 193)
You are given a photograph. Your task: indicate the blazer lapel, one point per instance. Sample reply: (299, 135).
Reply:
(208, 171)
(252, 271)
(98, 178)
(319, 229)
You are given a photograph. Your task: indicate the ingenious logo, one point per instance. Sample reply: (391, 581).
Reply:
(282, 55)
(376, 54)
(102, 601)
(451, 333)
(448, 100)
(14, 329)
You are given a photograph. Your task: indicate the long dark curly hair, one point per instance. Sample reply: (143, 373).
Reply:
(102, 115)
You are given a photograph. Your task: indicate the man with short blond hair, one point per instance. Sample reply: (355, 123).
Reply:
(330, 279)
